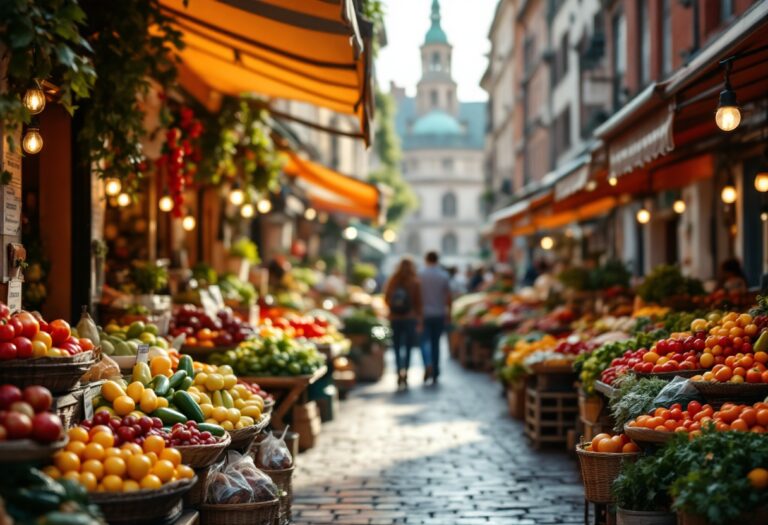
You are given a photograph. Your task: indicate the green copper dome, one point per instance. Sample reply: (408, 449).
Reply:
(435, 34)
(437, 122)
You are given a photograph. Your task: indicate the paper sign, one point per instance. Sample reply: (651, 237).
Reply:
(216, 295)
(178, 341)
(88, 403)
(14, 295)
(142, 356)
(209, 305)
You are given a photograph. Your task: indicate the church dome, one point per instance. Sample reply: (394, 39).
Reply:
(435, 34)
(437, 122)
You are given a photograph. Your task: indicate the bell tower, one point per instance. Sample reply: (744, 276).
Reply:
(436, 89)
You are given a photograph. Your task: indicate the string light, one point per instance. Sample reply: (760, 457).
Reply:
(679, 206)
(389, 235)
(310, 214)
(247, 211)
(123, 200)
(592, 185)
(613, 181)
(728, 195)
(764, 216)
(33, 141)
(643, 216)
(165, 203)
(34, 99)
(761, 182)
(547, 242)
(112, 187)
(264, 206)
(237, 196)
(188, 223)
(350, 233)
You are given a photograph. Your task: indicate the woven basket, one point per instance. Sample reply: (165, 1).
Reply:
(721, 392)
(266, 513)
(199, 456)
(599, 470)
(284, 481)
(196, 496)
(57, 374)
(647, 435)
(143, 506)
(27, 450)
(269, 404)
(243, 438)
(671, 375)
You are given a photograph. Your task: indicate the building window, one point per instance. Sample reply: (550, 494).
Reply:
(413, 244)
(433, 98)
(529, 48)
(449, 205)
(644, 29)
(619, 26)
(436, 65)
(666, 37)
(561, 59)
(726, 10)
(448, 165)
(449, 244)
(563, 132)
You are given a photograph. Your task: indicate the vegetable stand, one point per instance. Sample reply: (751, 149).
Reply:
(288, 391)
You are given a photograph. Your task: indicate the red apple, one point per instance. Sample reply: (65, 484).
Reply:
(18, 425)
(9, 394)
(23, 407)
(46, 427)
(38, 397)
(23, 347)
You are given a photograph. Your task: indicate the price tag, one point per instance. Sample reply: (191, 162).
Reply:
(209, 305)
(88, 403)
(142, 356)
(215, 293)
(178, 341)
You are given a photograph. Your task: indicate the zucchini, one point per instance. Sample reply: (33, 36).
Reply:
(160, 385)
(67, 518)
(177, 378)
(216, 430)
(169, 416)
(38, 500)
(187, 406)
(186, 364)
(75, 491)
(186, 383)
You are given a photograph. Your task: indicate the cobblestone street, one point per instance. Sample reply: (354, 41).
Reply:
(434, 455)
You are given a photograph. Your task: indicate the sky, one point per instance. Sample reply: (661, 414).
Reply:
(466, 22)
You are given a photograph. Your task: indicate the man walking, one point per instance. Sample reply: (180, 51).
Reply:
(436, 309)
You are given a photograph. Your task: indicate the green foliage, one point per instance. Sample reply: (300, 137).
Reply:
(245, 248)
(373, 11)
(363, 271)
(387, 145)
(204, 272)
(148, 277)
(234, 289)
(634, 398)
(43, 42)
(612, 273)
(133, 42)
(667, 281)
(576, 278)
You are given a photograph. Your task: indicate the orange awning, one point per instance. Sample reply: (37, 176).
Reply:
(333, 192)
(314, 51)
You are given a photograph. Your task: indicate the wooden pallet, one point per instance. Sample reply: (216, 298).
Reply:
(549, 416)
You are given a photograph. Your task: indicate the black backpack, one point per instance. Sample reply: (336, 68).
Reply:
(400, 301)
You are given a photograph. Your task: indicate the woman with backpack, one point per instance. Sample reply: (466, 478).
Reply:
(403, 297)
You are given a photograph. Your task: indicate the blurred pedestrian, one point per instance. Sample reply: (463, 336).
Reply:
(402, 294)
(732, 278)
(476, 281)
(436, 304)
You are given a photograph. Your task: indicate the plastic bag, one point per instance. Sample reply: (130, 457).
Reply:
(679, 390)
(237, 480)
(106, 368)
(273, 453)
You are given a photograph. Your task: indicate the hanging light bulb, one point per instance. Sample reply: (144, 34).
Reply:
(591, 185)
(728, 195)
(34, 99)
(643, 216)
(679, 206)
(613, 181)
(165, 203)
(112, 187)
(547, 242)
(237, 196)
(764, 216)
(310, 214)
(728, 115)
(389, 235)
(247, 211)
(350, 233)
(123, 200)
(188, 223)
(32, 141)
(264, 206)
(761, 182)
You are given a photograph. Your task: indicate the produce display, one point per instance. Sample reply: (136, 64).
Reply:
(96, 459)
(25, 414)
(617, 444)
(237, 480)
(695, 417)
(26, 336)
(274, 354)
(125, 340)
(223, 400)
(205, 331)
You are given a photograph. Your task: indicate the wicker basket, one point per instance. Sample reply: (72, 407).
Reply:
(269, 404)
(57, 374)
(284, 481)
(647, 435)
(199, 456)
(196, 495)
(266, 513)
(243, 438)
(143, 506)
(590, 408)
(718, 393)
(27, 450)
(599, 470)
(671, 375)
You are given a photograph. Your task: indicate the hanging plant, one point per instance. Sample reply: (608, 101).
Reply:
(181, 154)
(42, 41)
(238, 146)
(133, 42)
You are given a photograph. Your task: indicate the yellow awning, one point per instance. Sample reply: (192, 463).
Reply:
(311, 50)
(331, 191)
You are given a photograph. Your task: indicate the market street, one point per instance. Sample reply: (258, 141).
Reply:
(444, 455)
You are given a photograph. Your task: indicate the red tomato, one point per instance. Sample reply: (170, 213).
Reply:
(694, 407)
(5, 312)
(7, 351)
(23, 347)
(60, 331)
(85, 343)
(29, 325)
(7, 332)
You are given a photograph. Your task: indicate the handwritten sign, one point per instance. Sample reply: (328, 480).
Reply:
(88, 403)
(209, 305)
(216, 295)
(142, 356)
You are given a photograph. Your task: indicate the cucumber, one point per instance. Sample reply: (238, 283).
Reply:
(188, 406)
(186, 364)
(216, 430)
(169, 416)
(186, 383)
(75, 491)
(177, 378)
(39, 500)
(160, 385)
(169, 394)
(67, 518)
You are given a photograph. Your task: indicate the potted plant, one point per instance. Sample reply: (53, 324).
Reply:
(242, 254)
(148, 279)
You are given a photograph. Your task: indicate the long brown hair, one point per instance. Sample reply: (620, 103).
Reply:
(405, 275)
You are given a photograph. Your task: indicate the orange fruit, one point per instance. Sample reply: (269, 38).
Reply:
(112, 483)
(124, 405)
(72, 475)
(610, 445)
(134, 448)
(78, 447)
(52, 471)
(172, 455)
(597, 439)
(758, 478)
(112, 452)
(164, 470)
(152, 457)
(93, 451)
(99, 428)
(66, 461)
(630, 447)
(105, 439)
(150, 481)
(185, 472)
(94, 466)
(139, 466)
(154, 444)
(115, 465)
(131, 486)
(88, 480)
(740, 425)
(78, 434)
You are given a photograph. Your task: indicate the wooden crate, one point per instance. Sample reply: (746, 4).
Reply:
(480, 357)
(516, 401)
(549, 416)
(456, 341)
(307, 423)
(553, 379)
